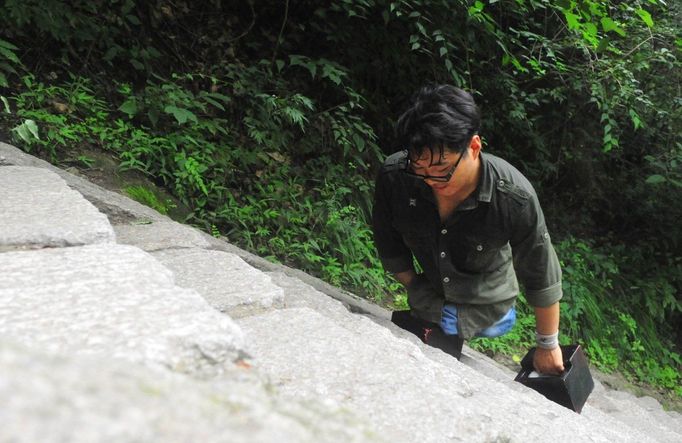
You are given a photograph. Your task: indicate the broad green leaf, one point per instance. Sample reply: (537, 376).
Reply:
(476, 8)
(655, 179)
(609, 25)
(8, 45)
(181, 114)
(111, 53)
(129, 107)
(646, 17)
(32, 127)
(304, 62)
(134, 20)
(636, 121)
(443, 50)
(4, 66)
(3, 81)
(603, 44)
(572, 20)
(591, 29)
(214, 103)
(448, 64)
(28, 131)
(136, 64)
(6, 103)
(9, 55)
(279, 64)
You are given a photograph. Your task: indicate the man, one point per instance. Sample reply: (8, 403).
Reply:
(472, 221)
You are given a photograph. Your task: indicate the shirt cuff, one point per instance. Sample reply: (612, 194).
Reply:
(543, 298)
(397, 264)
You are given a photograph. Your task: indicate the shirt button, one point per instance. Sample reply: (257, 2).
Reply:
(444, 231)
(546, 234)
(501, 182)
(442, 255)
(446, 280)
(479, 248)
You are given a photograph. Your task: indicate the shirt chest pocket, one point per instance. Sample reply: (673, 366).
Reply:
(484, 254)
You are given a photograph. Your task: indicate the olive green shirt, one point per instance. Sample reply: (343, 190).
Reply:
(474, 258)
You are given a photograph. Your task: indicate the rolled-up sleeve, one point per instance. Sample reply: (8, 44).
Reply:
(393, 253)
(535, 261)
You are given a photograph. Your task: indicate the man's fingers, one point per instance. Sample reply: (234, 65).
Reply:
(548, 361)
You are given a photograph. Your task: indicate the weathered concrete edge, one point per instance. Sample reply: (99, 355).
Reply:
(118, 208)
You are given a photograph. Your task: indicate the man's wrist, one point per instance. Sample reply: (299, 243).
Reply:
(547, 341)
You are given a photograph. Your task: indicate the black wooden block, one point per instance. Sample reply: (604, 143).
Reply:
(571, 388)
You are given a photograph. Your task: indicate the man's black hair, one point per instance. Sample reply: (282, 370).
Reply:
(439, 117)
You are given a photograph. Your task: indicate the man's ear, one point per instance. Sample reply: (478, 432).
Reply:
(475, 145)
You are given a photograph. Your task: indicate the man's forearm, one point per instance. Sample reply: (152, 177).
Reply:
(548, 359)
(547, 319)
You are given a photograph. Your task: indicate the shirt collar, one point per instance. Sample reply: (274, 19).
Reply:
(484, 190)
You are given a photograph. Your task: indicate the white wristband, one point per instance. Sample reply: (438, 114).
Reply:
(550, 341)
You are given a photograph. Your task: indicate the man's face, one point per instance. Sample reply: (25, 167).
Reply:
(437, 167)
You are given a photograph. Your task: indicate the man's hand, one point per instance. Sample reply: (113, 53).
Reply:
(549, 361)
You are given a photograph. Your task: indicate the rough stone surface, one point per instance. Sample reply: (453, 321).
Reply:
(643, 413)
(298, 294)
(406, 395)
(88, 335)
(117, 207)
(58, 398)
(112, 300)
(38, 209)
(160, 235)
(224, 280)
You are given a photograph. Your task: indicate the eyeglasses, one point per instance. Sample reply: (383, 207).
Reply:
(436, 178)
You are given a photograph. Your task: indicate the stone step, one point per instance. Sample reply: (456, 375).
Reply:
(112, 300)
(643, 413)
(38, 209)
(90, 398)
(666, 428)
(118, 208)
(173, 243)
(224, 280)
(407, 396)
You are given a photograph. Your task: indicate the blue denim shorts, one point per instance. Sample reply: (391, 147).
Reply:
(501, 326)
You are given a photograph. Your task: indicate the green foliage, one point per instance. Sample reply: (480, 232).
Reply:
(147, 197)
(617, 315)
(9, 62)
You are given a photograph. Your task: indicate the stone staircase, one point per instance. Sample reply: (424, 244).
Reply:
(118, 324)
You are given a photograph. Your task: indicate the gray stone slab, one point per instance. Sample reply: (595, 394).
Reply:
(116, 301)
(38, 209)
(160, 235)
(298, 294)
(60, 398)
(407, 396)
(226, 281)
(117, 207)
(644, 414)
